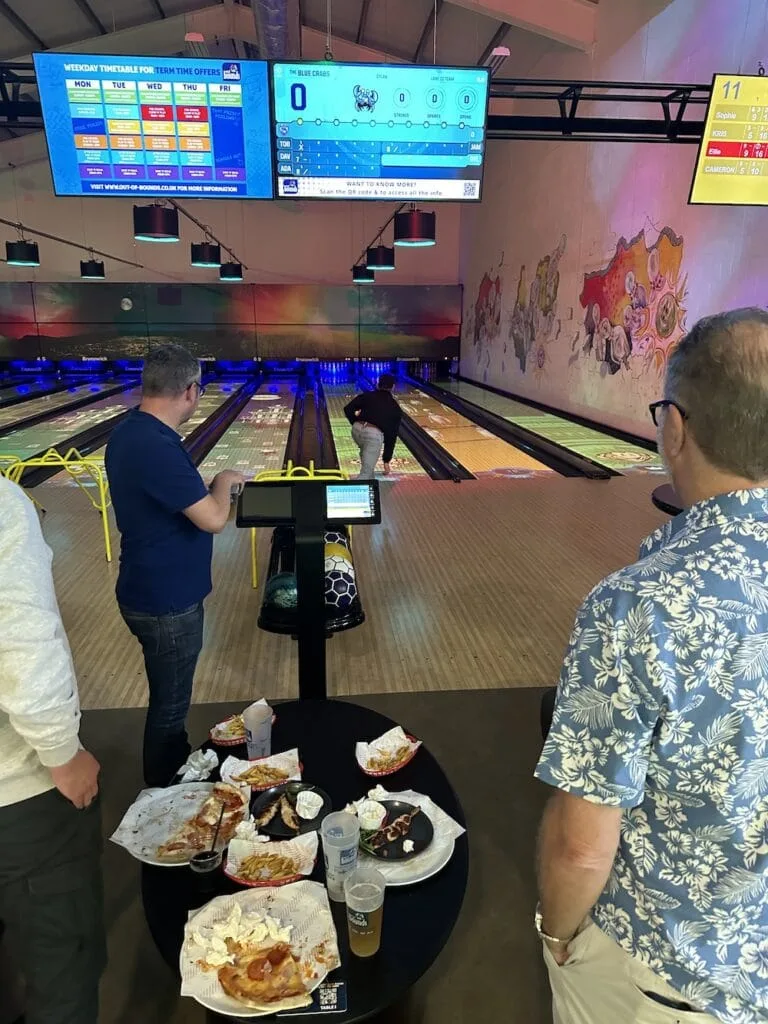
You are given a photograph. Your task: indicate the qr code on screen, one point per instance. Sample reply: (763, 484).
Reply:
(470, 189)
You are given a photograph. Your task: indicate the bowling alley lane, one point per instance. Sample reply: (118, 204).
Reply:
(29, 441)
(257, 438)
(605, 450)
(336, 397)
(476, 449)
(216, 393)
(49, 403)
(29, 388)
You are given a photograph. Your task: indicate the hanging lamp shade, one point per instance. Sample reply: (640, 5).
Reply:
(22, 253)
(380, 257)
(415, 228)
(230, 272)
(205, 254)
(92, 270)
(155, 223)
(362, 275)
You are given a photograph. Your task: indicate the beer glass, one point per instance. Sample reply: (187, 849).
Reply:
(364, 893)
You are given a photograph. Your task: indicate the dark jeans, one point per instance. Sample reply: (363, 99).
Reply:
(171, 645)
(51, 904)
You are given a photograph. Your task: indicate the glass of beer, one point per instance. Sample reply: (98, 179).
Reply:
(364, 894)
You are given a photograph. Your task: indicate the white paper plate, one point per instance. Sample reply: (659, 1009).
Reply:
(303, 904)
(156, 814)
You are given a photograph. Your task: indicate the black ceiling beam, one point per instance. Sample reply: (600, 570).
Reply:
(365, 8)
(90, 14)
(497, 39)
(158, 7)
(430, 23)
(592, 129)
(21, 26)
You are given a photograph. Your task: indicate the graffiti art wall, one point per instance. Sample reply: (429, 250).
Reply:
(235, 322)
(584, 262)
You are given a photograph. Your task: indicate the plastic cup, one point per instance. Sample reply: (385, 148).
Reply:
(258, 730)
(364, 891)
(340, 833)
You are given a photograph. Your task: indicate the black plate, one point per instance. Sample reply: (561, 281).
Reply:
(277, 827)
(421, 833)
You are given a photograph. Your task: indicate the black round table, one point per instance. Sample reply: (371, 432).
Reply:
(666, 499)
(418, 919)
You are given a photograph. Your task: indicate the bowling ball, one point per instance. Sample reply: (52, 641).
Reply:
(337, 537)
(340, 583)
(280, 590)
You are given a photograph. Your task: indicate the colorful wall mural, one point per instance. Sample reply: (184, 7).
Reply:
(119, 321)
(584, 266)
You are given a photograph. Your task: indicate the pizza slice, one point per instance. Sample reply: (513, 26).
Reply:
(261, 978)
(197, 833)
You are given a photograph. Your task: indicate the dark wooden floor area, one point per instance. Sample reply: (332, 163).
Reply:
(465, 587)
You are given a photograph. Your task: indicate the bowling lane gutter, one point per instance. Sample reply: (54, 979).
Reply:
(551, 454)
(78, 403)
(294, 443)
(431, 456)
(327, 457)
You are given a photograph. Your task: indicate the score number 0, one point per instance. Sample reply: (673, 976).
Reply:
(299, 96)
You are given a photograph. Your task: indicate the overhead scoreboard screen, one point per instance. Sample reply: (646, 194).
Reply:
(732, 166)
(156, 126)
(379, 131)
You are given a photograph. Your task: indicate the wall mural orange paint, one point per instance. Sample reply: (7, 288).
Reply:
(634, 307)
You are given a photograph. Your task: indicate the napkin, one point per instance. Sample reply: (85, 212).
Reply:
(199, 766)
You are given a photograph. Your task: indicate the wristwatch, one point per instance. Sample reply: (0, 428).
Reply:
(538, 922)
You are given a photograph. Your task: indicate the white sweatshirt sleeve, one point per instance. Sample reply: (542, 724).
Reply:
(38, 690)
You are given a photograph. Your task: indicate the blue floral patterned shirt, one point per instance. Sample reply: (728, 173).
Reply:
(662, 709)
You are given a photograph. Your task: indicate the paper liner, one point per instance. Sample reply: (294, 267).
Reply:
(287, 761)
(233, 741)
(302, 849)
(313, 940)
(156, 814)
(430, 861)
(386, 744)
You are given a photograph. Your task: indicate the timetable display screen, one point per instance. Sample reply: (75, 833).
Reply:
(379, 131)
(156, 126)
(732, 166)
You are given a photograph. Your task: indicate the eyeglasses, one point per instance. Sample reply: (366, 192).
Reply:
(665, 403)
(200, 387)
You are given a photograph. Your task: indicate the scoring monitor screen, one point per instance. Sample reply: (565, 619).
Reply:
(156, 126)
(732, 167)
(379, 131)
(352, 503)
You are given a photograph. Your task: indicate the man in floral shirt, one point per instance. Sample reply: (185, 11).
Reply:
(653, 851)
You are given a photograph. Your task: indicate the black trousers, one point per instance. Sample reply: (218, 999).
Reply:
(51, 904)
(171, 645)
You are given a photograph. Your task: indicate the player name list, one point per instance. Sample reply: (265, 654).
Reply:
(156, 132)
(737, 142)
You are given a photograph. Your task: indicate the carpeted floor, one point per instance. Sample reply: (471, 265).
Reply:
(487, 742)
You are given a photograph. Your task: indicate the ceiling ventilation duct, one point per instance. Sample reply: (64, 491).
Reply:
(278, 26)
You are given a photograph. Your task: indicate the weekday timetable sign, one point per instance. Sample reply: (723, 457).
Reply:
(732, 166)
(154, 127)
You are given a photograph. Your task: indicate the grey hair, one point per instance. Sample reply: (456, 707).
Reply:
(168, 371)
(719, 375)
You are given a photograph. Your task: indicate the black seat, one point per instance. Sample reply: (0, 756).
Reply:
(547, 710)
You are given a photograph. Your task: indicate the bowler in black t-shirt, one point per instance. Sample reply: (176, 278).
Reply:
(375, 417)
(166, 517)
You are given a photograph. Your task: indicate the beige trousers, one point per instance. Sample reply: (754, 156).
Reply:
(601, 984)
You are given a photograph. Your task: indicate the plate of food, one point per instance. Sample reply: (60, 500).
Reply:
(264, 773)
(261, 951)
(292, 809)
(231, 732)
(261, 864)
(166, 827)
(405, 831)
(387, 754)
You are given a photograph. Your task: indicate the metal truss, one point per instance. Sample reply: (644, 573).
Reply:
(599, 111)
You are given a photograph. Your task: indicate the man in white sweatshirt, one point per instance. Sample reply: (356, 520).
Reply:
(50, 829)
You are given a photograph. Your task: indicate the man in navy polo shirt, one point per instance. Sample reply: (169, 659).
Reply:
(166, 516)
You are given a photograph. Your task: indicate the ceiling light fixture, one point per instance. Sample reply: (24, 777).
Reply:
(380, 257)
(205, 254)
(92, 270)
(155, 223)
(415, 228)
(22, 253)
(230, 272)
(362, 275)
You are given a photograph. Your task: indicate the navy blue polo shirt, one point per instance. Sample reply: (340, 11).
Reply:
(165, 560)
